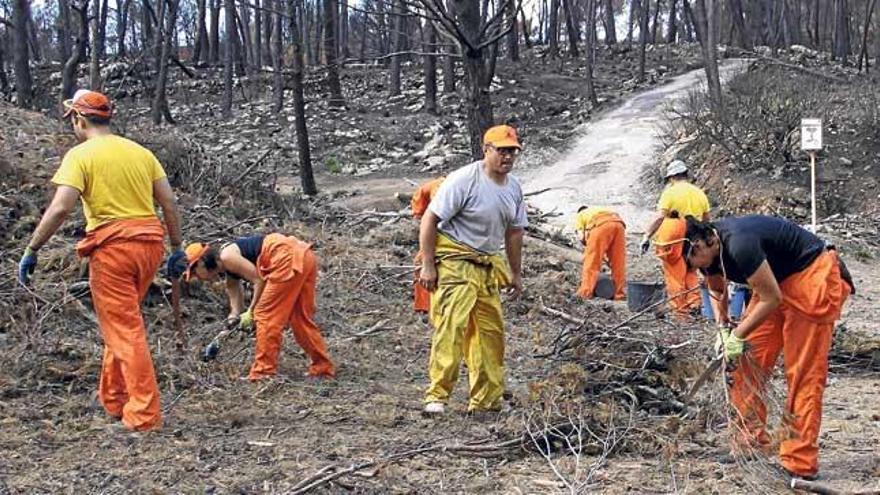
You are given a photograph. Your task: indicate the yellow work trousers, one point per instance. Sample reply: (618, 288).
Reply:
(468, 322)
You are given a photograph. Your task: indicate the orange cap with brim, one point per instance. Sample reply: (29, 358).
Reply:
(502, 136)
(87, 102)
(194, 253)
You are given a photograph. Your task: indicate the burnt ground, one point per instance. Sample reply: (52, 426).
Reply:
(225, 435)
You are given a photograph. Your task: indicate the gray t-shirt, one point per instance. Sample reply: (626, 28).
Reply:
(476, 211)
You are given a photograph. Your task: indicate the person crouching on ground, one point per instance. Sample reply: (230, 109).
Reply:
(284, 274)
(603, 235)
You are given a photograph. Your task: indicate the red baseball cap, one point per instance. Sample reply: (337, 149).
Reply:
(87, 102)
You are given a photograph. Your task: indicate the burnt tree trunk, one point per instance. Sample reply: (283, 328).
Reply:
(147, 29)
(258, 35)
(396, 48)
(863, 54)
(64, 30)
(842, 45)
(430, 66)
(344, 30)
(331, 12)
(102, 30)
(513, 35)
(571, 28)
(200, 50)
(479, 103)
(95, 60)
(608, 23)
(742, 29)
(214, 33)
(268, 31)
(68, 73)
(21, 53)
(553, 29)
(449, 63)
(277, 52)
(590, 49)
(634, 7)
(644, 12)
(122, 27)
(307, 177)
(229, 8)
(167, 21)
(704, 17)
(672, 26)
(654, 22)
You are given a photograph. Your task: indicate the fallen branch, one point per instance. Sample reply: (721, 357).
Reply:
(378, 327)
(805, 70)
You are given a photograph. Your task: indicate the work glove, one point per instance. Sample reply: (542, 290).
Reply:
(721, 336)
(27, 265)
(246, 320)
(733, 347)
(176, 265)
(645, 245)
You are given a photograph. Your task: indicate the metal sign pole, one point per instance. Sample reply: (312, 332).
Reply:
(813, 188)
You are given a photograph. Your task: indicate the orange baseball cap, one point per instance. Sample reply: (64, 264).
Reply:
(87, 102)
(502, 136)
(194, 253)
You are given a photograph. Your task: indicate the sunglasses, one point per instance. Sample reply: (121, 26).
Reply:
(511, 151)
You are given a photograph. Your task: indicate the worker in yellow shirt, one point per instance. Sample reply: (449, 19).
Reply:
(603, 234)
(119, 182)
(679, 199)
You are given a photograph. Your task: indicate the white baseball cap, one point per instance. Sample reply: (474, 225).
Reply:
(676, 167)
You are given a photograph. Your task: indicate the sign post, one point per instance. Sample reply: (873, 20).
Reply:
(811, 140)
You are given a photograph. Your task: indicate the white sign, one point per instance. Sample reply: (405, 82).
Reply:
(811, 134)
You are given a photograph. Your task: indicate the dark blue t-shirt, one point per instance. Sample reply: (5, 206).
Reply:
(250, 248)
(748, 241)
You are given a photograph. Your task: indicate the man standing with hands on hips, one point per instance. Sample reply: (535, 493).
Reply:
(477, 212)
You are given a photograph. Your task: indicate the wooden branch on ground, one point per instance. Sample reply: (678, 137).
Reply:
(823, 489)
(186, 70)
(805, 70)
(376, 328)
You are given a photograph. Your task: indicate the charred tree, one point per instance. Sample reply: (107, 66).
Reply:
(229, 7)
(430, 66)
(65, 31)
(672, 26)
(307, 176)
(68, 72)
(396, 48)
(122, 10)
(571, 27)
(277, 55)
(608, 23)
(863, 54)
(21, 53)
(643, 36)
(331, 19)
(513, 35)
(590, 49)
(167, 21)
(214, 33)
(200, 50)
(553, 29)
(704, 24)
(95, 59)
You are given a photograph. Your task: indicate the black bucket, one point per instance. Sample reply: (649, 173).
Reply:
(604, 287)
(640, 295)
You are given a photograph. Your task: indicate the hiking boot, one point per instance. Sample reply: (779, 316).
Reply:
(434, 408)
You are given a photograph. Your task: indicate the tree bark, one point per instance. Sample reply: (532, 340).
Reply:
(268, 32)
(4, 82)
(842, 46)
(200, 48)
(147, 29)
(307, 177)
(513, 35)
(344, 30)
(742, 29)
(644, 12)
(654, 22)
(430, 66)
(553, 29)
(672, 29)
(572, 29)
(214, 33)
(121, 27)
(95, 60)
(277, 54)
(102, 30)
(591, 27)
(244, 24)
(479, 103)
(258, 35)
(229, 7)
(863, 55)
(160, 100)
(609, 23)
(634, 7)
(527, 34)
(704, 11)
(331, 11)
(64, 30)
(68, 72)
(21, 53)
(449, 63)
(394, 84)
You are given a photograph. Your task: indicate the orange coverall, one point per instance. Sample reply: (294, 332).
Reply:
(607, 237)
(801, 328)
(290, 270)
(669, 239)
(124, 256)
(419, 203)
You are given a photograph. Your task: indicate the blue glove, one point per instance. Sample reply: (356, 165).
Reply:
(176, 265)
(27, 265)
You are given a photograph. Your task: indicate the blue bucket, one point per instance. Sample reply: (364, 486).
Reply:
(739, 297)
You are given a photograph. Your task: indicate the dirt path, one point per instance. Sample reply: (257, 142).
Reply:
(604, 165)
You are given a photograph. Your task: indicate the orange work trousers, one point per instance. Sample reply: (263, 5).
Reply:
(290, 270)
(421, 296)
(678, 277)
(124, 257)
(607, 239)
(801, 328)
